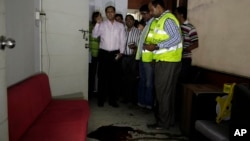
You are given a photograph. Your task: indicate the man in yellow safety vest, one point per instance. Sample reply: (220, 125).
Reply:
(166, 45)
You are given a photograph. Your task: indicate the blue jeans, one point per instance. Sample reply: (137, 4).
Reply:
(145, 90)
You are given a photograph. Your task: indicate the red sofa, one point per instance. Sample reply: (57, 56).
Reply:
(34, 116)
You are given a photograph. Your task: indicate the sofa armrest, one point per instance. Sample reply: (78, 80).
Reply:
(205, 105)
(27, 99)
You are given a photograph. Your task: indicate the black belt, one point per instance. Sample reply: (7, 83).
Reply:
(111, 52)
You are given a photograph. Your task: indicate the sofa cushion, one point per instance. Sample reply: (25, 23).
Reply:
(60, 122)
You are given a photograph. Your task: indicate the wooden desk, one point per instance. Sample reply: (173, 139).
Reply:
(188, 108)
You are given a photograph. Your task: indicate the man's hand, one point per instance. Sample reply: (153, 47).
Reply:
(99, 19)
(150, 47)
(132, 46)
(118, 56)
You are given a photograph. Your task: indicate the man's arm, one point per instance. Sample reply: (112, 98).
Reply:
(193, 46)
(122, 40)
(174, 34)
(194, 39)
(97, 29)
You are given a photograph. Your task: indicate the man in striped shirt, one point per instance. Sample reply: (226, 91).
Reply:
(129, 64)
(190, 42)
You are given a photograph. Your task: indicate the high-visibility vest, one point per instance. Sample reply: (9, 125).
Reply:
(147, 56)
(172, 54)
(93, 43)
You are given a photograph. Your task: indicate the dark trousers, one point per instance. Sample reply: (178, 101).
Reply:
(186, 70)
(92, 75)
(166, 76)
(108, 76)
(130, 75)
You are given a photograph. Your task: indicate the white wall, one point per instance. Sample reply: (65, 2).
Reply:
(64, 57)
(223, 29)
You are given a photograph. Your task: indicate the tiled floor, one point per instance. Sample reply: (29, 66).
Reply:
(126, 115)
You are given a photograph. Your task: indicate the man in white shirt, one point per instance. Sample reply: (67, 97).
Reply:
(112, 45)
